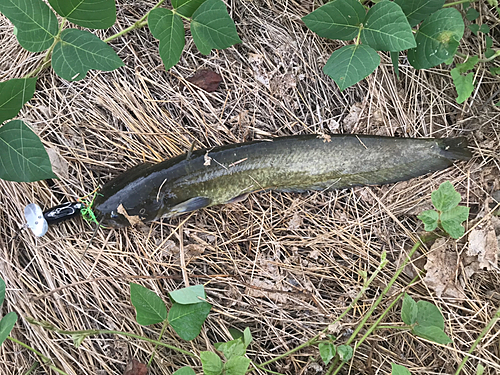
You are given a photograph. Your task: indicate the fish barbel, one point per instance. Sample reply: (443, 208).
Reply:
(225, 174)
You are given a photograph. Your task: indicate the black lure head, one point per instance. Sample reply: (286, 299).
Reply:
(63, 212)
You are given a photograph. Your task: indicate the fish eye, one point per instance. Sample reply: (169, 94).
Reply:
(113, 214)
(142, 211)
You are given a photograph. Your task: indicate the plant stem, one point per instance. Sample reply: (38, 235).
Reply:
(313, 340)
(458, 3)
(165, 324)
(137, 25)
(44, 358)
(374, 306)
(490, 324)
(493, 57)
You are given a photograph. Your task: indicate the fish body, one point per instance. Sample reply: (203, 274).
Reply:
(223, 174)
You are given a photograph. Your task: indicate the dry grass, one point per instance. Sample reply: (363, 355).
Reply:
(111, 121)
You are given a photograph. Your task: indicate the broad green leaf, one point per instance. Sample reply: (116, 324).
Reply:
(94, 14)
(186, 7)
(489, 42)
(471, 14)
(2, 291)
(13, 94)
(235, 333)
(417, 10)
(22, 155)
(344, 352)
(338, 19)
(395, 62)
(495, 70)
(463, 84)
(479, 369)
(474, 28)
(386, 28)
(467, 65)
(186, 370)
(231, 348)
(187, 320)
(79, 51)
(36, 25)
(445, 197)
(429, 315)
(6, 325)
(430, 219)
(484, 28)
(432, 333)
(409, 310)
(236, 366)
(326, 351)
(452, 221)
(212, 27)
(350, 64)
(399, 370)
(189, 295)
(149, 308)
(247, 337)
(168, 28)
(437, 38)
(211, 363)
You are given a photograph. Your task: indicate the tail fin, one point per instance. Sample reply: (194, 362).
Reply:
(455, 148)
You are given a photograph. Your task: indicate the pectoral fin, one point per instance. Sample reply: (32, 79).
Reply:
(190, 205)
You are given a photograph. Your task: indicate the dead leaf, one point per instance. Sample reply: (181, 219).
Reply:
(59, 164)
(296, 222)
(482, 253)
(441, 266)
(133, 220)
(353, 116)
(258, 289)
(135, 368)
(206, 79)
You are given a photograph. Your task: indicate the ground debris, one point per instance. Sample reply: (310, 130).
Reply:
(206, 79)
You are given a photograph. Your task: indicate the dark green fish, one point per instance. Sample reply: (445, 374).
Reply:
(291, 164)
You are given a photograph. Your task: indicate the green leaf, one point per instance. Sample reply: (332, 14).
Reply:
(36, 24)
(13, 94)
(326, 351)
(187, 320)
(79, 51)
(474, 28)
(167, 27)
(417, 10)
(2, 291)
(350, 64)
(344, 352)
(338, 19)
(6, 325)
(22, 155)
(231, 348)
(489, 41)
(432, 333)
(186, 370)
(399, 370)
(469, 64)
(484, 28)
(445, 197)
(471, 14)
(189, 295)
(386, 28)
(212, 27)
(428, 315)
(409, 310)
(150, 308)
(235, 333)
(437, 38)
(247, 337)
(186, 7)
(495, 70)
(94, 14)
(463, 84)
(479, 369)
(452, 221)
(395, 62)
(430, 219)
(236, 366)
(211, 363)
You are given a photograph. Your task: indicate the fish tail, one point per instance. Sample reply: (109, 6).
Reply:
(455, 148)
